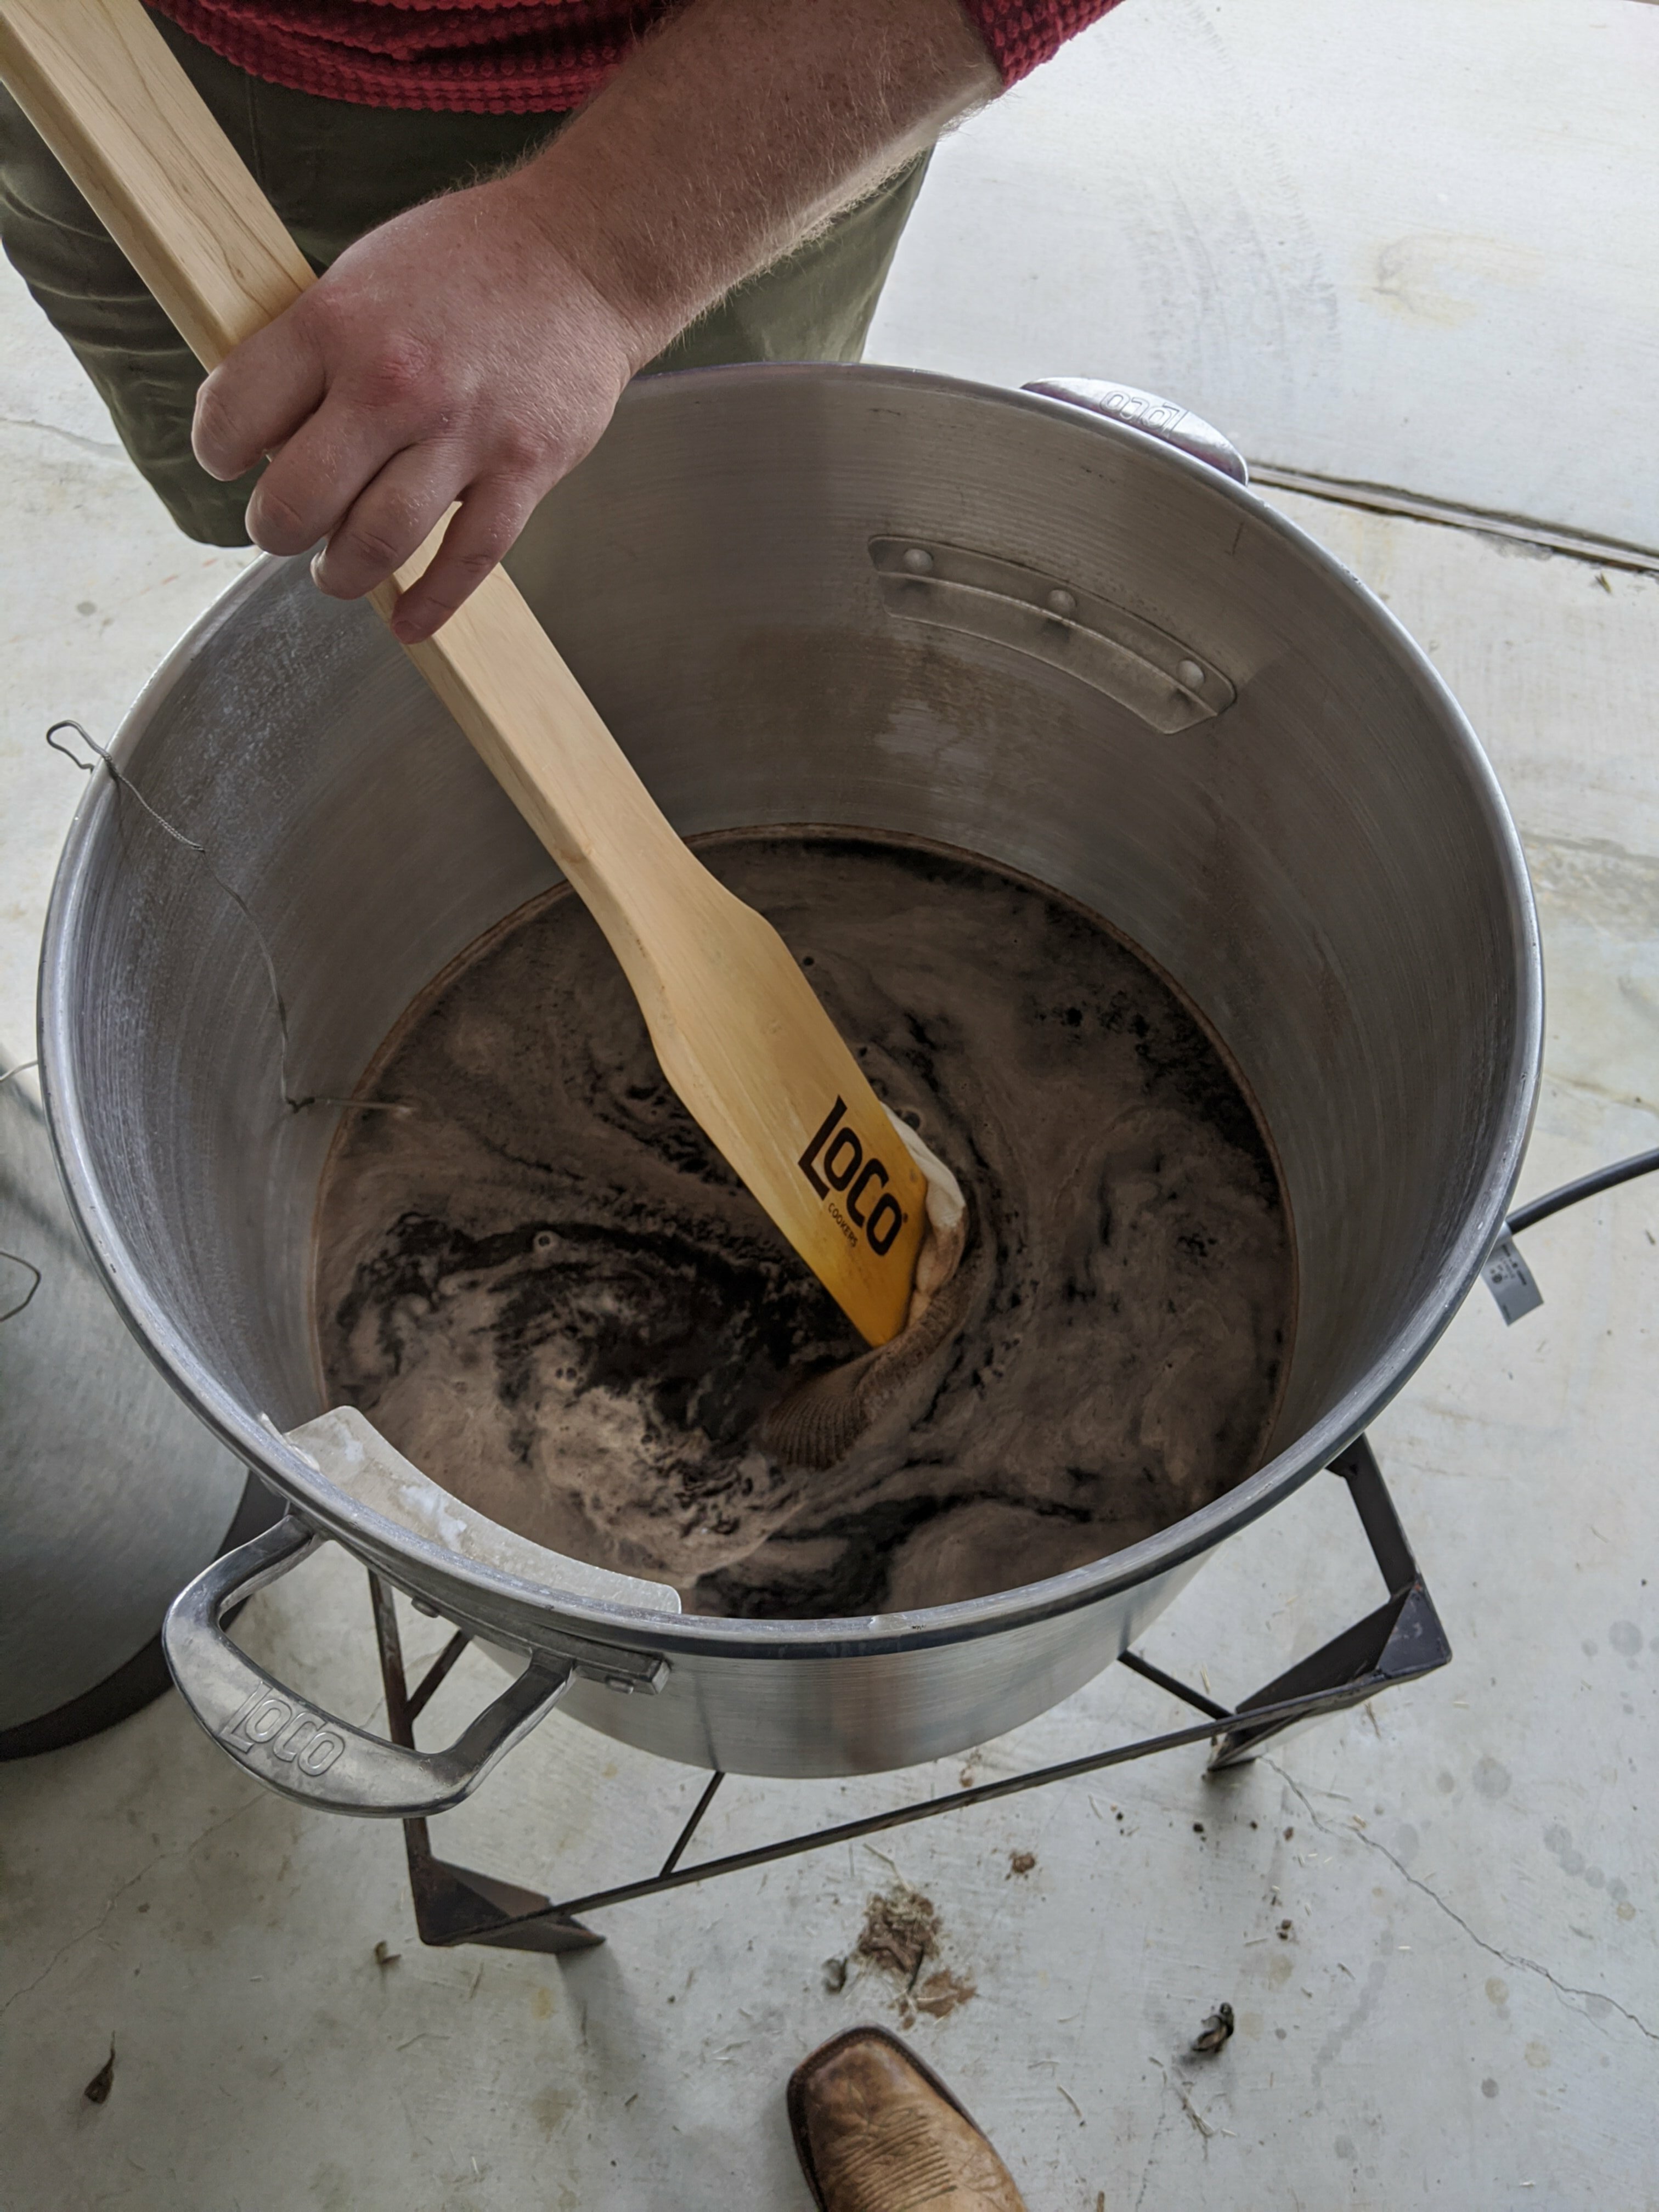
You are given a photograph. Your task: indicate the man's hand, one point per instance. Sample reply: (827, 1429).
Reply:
(451, 354)
(473, 349)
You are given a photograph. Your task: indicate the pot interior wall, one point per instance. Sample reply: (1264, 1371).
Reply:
(1323, 869)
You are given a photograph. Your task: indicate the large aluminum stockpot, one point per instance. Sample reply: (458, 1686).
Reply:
(813, 595)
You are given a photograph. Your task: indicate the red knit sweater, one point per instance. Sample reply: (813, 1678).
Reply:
(509, 57)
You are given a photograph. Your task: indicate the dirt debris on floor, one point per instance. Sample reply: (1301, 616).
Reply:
(1214, 2033)
(900, 1932)
(97, 2090)
(901, 1935)
(938, 1996)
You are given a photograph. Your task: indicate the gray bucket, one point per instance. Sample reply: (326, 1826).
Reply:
(112, 1494)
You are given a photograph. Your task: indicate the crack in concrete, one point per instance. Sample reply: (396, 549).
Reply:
(1151, 2154)
(1183, 2094)
(178, 1850)
(103, 447)
(63, 1950)
(1516, 1958)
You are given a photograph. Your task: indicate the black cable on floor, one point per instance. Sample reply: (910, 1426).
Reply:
(1553, 1201)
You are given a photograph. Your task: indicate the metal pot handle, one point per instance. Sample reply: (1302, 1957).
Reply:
(1144, 411)
(306, 1753)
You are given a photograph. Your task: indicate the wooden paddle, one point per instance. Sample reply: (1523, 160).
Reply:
(737, 1029)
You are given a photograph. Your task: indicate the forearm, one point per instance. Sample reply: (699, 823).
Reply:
(734, 133)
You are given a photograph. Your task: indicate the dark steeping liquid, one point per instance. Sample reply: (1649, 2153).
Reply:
(545, 1287)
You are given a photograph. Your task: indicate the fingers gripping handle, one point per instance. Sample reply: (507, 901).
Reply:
(296, 1747)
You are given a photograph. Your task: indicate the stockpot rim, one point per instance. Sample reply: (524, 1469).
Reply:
(516, 1608)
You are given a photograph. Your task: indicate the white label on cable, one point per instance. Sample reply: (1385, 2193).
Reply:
(1511, 1281)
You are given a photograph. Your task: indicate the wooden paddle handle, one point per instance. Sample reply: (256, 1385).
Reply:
(736, 1026)
(99, 83)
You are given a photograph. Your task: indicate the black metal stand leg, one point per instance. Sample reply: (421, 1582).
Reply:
(452, 1904)
(1400, 1641)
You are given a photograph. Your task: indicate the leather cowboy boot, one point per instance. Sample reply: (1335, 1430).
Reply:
(877, 2131)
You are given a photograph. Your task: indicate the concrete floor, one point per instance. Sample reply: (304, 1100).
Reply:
(1434, 1918)
(1411, 245)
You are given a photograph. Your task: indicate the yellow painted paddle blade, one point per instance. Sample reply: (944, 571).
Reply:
(743, 1038)
(738, 1030)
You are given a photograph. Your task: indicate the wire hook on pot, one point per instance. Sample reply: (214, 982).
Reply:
(122, 781)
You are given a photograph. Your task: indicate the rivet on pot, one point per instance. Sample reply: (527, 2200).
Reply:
(918, 560)
(1062, 602)
(1190, 676)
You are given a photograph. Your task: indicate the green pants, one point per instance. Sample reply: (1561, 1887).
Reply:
(334, 171)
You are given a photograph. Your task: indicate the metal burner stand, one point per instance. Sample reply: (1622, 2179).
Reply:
(1402, 1640)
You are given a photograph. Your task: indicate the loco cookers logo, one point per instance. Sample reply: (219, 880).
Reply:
(284, 1729)
(836, 1161)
